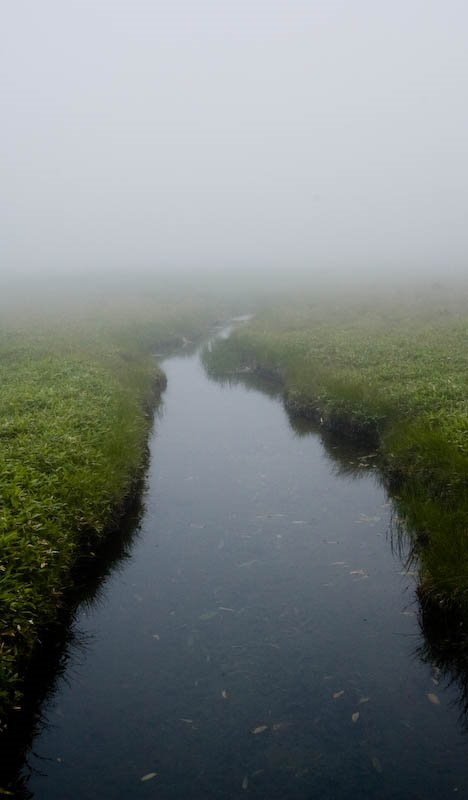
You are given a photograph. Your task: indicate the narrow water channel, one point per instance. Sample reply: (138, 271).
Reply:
(262, 639)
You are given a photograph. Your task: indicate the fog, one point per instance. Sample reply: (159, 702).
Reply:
(234, 136)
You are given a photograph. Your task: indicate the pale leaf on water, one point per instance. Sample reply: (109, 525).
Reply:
(245, 782)
(364, 518)
(224, 694)
(355, 716)
(336, 695)
(281, 726)
(376, 764)
(433, 699)
(259, 729)
(187, 721)
(364, 699)
(149, 776)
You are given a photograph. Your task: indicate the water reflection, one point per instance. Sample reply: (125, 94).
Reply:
(445, 648)
(265, 601)
(51, 661)
(444, 634)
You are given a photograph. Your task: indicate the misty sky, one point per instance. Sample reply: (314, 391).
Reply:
(234, 134)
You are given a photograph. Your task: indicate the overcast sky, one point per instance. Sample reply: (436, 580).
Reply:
(234, 134)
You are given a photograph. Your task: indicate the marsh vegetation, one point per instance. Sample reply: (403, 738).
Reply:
(78, 393)
(261, 637)
(392, 372)
(381, 379)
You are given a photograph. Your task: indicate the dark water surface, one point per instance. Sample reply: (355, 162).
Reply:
(261, 611)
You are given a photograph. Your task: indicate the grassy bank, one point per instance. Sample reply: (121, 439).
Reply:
(75, 410)
(395, 374)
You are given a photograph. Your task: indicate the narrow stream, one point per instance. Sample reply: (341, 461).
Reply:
(262, 640)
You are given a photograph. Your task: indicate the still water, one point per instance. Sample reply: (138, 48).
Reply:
(262, 639)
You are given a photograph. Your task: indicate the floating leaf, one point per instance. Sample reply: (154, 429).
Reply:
(281, 726)
(259, 729)
(188, 721)
(208, 615)
(355, 716)
(336, 695)
(149, 776)
(156, 636)
(364, 699)
(376, 764)
(433, 699)
(365, 518)
(245, 782)
(224, 694)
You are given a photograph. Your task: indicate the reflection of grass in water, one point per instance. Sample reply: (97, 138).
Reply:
(394, 376)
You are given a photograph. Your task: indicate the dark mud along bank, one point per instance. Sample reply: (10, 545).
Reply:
(260, 637)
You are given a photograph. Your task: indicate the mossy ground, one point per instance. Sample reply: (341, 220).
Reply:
(393, 372)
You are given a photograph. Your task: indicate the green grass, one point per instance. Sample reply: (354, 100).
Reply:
(75, 410)
(393, 373)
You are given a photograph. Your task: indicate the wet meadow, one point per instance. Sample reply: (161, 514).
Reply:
(78, 394)
(380, 378)
(391, 371)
